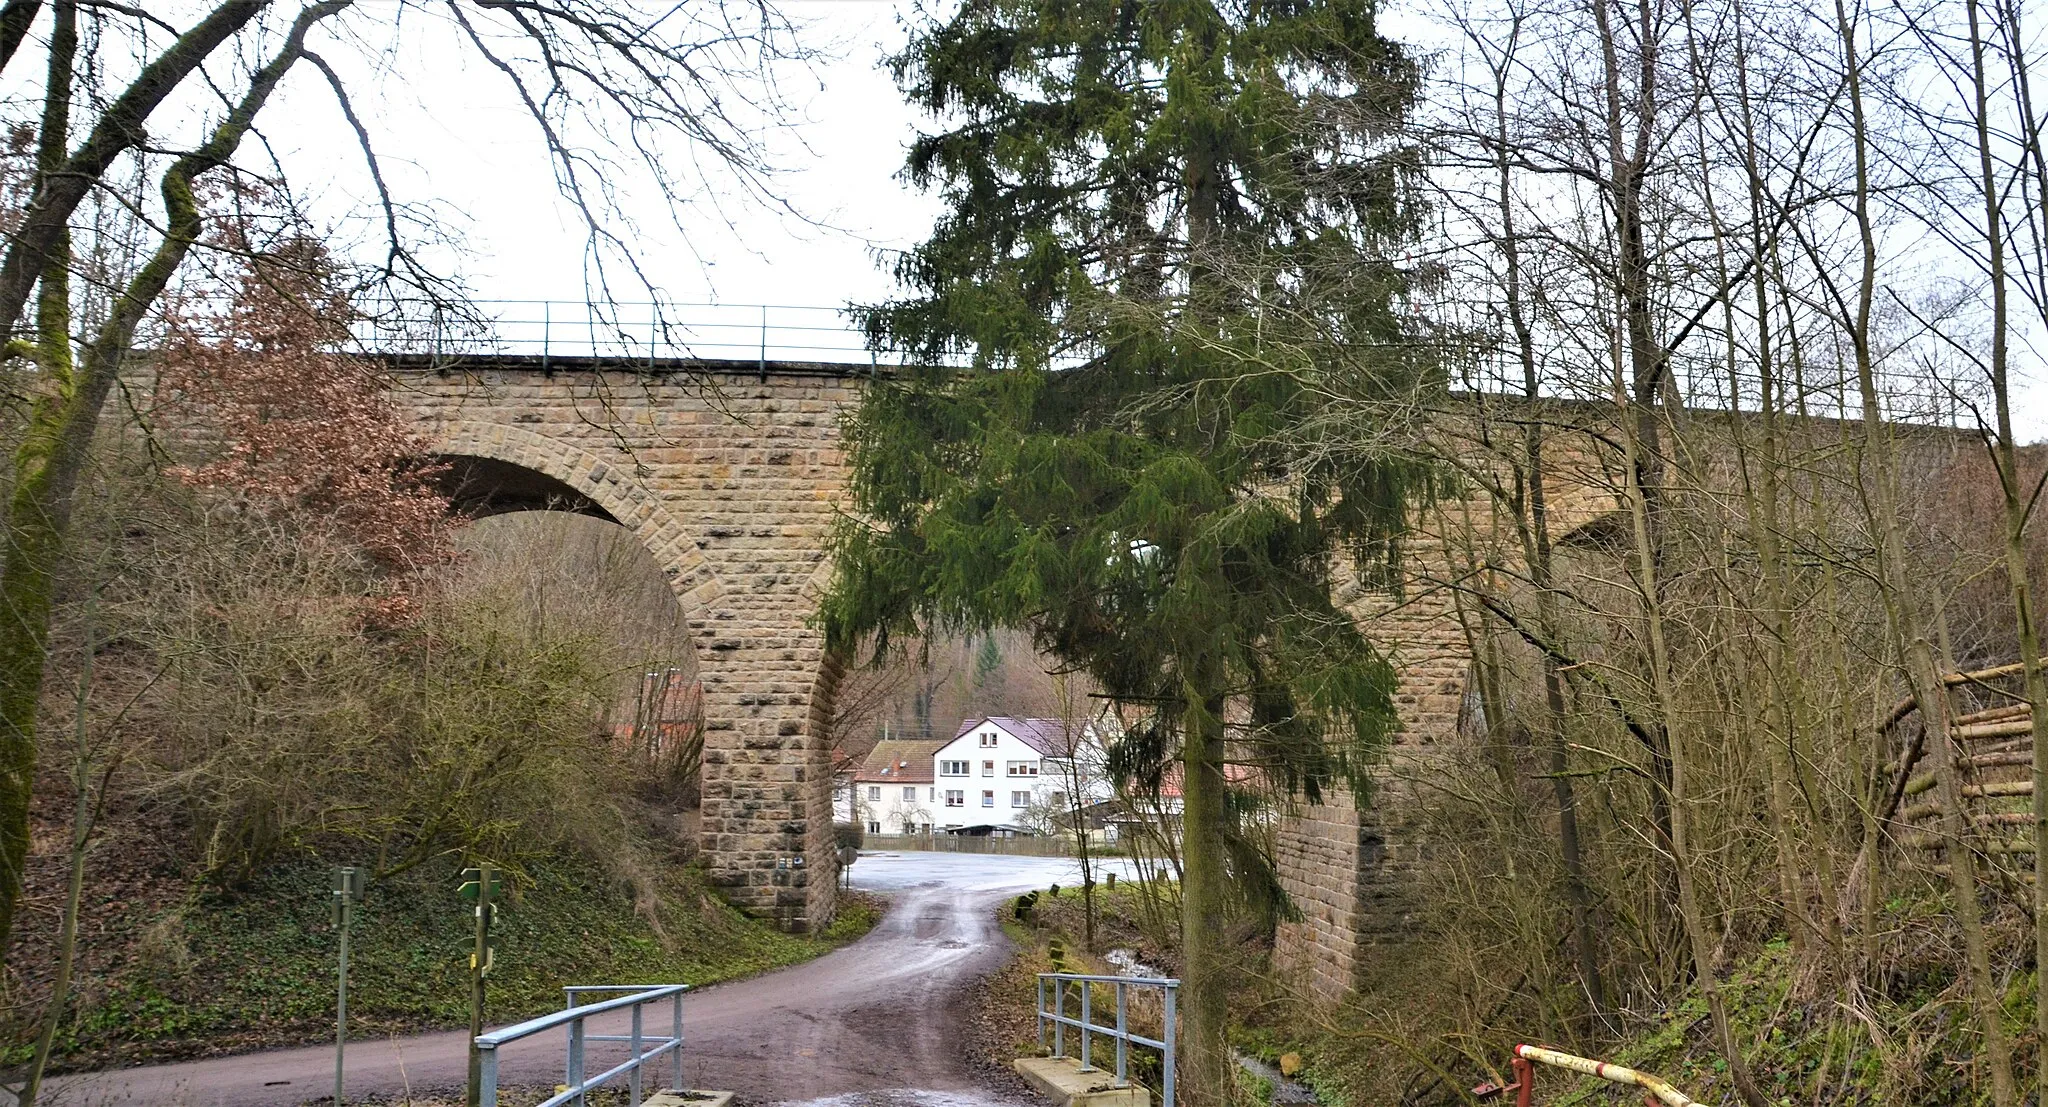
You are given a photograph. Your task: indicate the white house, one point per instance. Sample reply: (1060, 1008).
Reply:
(891, 792)
(1001, 771)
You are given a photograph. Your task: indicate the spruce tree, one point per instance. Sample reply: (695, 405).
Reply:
(1160, 372)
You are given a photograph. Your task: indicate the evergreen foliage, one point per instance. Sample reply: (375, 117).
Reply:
(1137, 461)
(1163, 377)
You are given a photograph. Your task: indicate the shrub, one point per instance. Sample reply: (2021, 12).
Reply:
(849, 835)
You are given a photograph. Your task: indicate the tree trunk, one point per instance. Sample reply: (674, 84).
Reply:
(86, 799)
(54, 451)
(1206, 1079)
(1690, 915)
(1881, 498)
(28, 565)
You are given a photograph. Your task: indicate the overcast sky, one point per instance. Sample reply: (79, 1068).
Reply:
(448, 128)
(458, 136)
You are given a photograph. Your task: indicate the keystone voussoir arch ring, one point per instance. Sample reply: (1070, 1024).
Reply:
(609, 485)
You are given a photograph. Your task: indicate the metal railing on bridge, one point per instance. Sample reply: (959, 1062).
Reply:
(625, 333)
(621, 332)
(1056, 987)
(577, 1082)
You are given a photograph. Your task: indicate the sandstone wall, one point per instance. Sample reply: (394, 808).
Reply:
(1351, 868)
(731, 479)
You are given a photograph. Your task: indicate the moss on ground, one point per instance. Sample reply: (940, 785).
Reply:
(223, 972)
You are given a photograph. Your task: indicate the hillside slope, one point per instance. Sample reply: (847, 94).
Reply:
(172, 971)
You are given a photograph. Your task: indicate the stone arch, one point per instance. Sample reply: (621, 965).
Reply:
(623, 500)
(768, 685)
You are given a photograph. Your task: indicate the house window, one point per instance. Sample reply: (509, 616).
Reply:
(1023, 768)
(956, 797)
(1020, 799)
(988, 741)
(988, 797)
(988, 768)
(910, 795)
(1059, 799)
(954, 768)
(875, 793)
(874, 827)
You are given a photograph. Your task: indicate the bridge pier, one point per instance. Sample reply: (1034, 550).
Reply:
(766, 831)
(730, 476)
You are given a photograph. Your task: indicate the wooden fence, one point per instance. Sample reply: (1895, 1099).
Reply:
(1991, 751)
(963, 843)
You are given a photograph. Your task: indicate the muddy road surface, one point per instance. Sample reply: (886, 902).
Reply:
(879, 1023)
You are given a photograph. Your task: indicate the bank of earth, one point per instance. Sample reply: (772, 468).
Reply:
(172, 971)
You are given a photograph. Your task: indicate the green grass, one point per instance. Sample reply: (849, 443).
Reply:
(257, 967)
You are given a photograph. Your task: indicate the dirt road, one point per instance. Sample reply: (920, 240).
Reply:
(884, 1015)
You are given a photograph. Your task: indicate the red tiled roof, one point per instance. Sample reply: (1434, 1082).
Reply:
(1169, 777)
(899, 761)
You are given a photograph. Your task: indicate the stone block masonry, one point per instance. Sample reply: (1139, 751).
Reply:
(1353, 869)
(731, 477)
(1348, 867)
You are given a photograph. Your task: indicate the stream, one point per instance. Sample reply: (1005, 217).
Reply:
(1286, 1093)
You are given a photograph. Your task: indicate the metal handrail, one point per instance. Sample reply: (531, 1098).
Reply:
(626, 331)
(576, 1083)
(1056, 1015)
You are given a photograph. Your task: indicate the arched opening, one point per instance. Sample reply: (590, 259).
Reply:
(480, 487)
(731, 702)
(586, 590)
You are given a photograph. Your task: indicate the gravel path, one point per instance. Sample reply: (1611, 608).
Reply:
(879, 1023)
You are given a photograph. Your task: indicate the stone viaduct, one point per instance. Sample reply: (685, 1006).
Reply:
(730, 473)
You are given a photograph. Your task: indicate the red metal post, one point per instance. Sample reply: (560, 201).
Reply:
(1525, 1082)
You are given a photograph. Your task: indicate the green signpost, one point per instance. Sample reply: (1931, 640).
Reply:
(480, 885)
(348, 891)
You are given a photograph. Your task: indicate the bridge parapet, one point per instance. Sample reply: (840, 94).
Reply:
(616, 334)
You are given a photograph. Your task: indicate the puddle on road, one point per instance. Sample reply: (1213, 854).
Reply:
(906, 1097)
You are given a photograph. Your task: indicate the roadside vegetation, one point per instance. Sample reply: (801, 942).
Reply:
(1665, 359)
(285, 652)
(204, 971)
